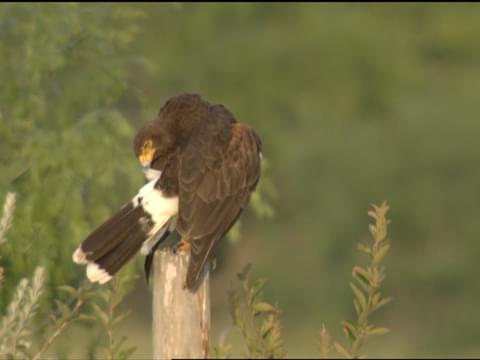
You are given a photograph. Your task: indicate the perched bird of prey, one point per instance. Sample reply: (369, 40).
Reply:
(201, 166)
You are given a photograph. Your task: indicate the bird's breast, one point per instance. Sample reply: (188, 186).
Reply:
(151, 174)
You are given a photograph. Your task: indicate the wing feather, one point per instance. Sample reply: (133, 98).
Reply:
(217, 172)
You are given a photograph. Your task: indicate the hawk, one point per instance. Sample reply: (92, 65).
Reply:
(201, 167)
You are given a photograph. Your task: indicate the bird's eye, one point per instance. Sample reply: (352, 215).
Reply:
(147, 145)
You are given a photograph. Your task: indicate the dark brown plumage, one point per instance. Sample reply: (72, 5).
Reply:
(194, 153)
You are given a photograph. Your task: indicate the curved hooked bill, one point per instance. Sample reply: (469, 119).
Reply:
(118, 239)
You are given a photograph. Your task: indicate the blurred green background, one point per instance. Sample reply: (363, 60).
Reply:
(354, 104)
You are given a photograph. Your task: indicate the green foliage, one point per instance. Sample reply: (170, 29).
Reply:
(16, 332)
(67, 311)
(265, 193)
(66, 147)
(259, 323)
(16, 335)
(366, 295)
(257, 320)
(105, 310)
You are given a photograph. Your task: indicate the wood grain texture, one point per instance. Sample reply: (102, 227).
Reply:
(181, 319)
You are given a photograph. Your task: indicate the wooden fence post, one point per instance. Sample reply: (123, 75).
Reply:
(181, 319)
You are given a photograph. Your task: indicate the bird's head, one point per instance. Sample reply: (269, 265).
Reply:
(151, 143)
(177, 120)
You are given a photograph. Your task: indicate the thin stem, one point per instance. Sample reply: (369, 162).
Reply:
(363, 324)
(61, 327)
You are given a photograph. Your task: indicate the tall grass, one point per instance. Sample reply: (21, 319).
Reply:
(259, 321)
(21, 337)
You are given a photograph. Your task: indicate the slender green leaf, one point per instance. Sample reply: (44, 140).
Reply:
(364, 248)
(382, 302)
(267, 326)
(349, 330)
(359, 296)
(100, 314)
(256, 288)
(68, 289)
(378, 331)
(63, 308)
(341, 350)
(263, 307)
(377, 259)
(121, 316)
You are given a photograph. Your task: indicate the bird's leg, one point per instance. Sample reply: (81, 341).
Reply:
(183, 245)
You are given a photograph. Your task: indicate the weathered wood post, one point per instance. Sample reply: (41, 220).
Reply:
(181, 319)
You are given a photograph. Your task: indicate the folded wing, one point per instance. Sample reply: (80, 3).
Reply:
(217, 173)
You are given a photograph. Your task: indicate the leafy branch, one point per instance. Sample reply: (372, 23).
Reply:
(15, 331)
(106, 311)
(257, 320)
(67, 314)
(366, 295)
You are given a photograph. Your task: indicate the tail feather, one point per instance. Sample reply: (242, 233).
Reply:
(115, 259)
(111, 233)
(116, 241)
(202, 251)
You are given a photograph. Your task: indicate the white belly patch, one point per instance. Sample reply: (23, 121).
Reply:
(151, 174)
